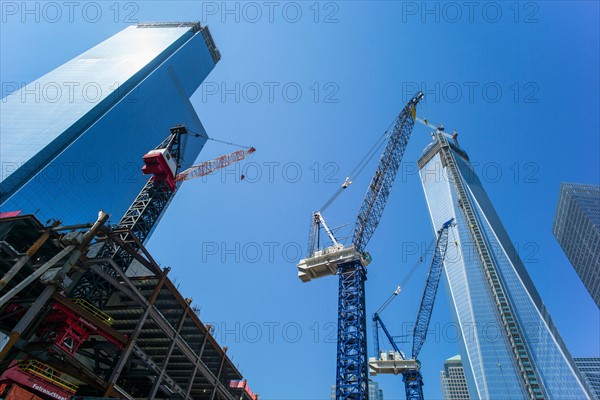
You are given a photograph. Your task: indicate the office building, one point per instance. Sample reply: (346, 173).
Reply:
(577, 229)
(454, 384)
(375, 393)
(72, 141)
(509, 346)
(590, 369)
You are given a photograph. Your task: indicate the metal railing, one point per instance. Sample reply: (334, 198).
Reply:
(47, 373)
(96, 312)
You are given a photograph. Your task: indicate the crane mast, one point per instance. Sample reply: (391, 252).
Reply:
(141, 217)
(138, 221)
(349, 262)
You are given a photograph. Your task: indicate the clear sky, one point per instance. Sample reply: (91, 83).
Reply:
(311, 86)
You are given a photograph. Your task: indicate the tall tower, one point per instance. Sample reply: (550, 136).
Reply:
(577, 229)
(509, 345)
(72, 141)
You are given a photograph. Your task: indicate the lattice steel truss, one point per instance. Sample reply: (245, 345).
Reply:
(352, 361)
(134, 228)
(352, 366)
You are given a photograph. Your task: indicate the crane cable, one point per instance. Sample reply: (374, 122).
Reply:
(359, 167)
(408, 277)
(196, 134)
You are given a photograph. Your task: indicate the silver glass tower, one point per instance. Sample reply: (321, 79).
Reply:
(509, 346)
(72, 141)
(577, 229)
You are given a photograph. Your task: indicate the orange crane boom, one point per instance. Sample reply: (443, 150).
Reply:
(207, 167)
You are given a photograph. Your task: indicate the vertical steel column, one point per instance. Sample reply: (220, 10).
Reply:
(199, 360)
(136, 333)
(351, 378)
(217, 383)
(163, 367)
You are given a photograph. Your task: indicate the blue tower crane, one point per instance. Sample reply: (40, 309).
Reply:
(349, 262)
(395, 362)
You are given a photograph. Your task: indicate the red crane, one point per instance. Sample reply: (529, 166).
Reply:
(207, 167)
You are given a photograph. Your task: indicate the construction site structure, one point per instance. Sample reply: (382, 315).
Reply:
(80, 319)
(349, 262)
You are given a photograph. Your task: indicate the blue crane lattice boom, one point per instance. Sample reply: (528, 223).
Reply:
(410, 369)
(352, 358)
(349, 262)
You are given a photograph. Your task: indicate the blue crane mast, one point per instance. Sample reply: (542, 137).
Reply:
(349, 262)
(395, 362)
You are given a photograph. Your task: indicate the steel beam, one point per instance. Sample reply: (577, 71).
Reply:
(28, 254)
(214, 392)
(167, 357)
(197, 363)
(127, 350)
(163, 325)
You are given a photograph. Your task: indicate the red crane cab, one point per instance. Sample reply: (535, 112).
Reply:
(162, 165)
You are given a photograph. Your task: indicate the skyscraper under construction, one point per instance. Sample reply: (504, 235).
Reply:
(509, 345)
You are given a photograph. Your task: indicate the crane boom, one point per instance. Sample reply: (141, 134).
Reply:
(410, 368)
(207, 167)
(431, 285)
(379, 189)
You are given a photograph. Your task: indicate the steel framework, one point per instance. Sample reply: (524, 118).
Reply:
(147, 343)
(413, 380)
(134, 228)
(431, 286)
(352, 366)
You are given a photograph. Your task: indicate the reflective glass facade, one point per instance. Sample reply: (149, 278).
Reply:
(490, 365)
(72, 141)
(577, 229)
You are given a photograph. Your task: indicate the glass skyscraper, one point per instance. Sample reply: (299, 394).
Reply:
(374, 392)
(577, 229)
(590, 369)
(509, 346)
(454, 384)
(72, 141)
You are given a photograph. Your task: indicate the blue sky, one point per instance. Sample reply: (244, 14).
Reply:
(311, 86)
